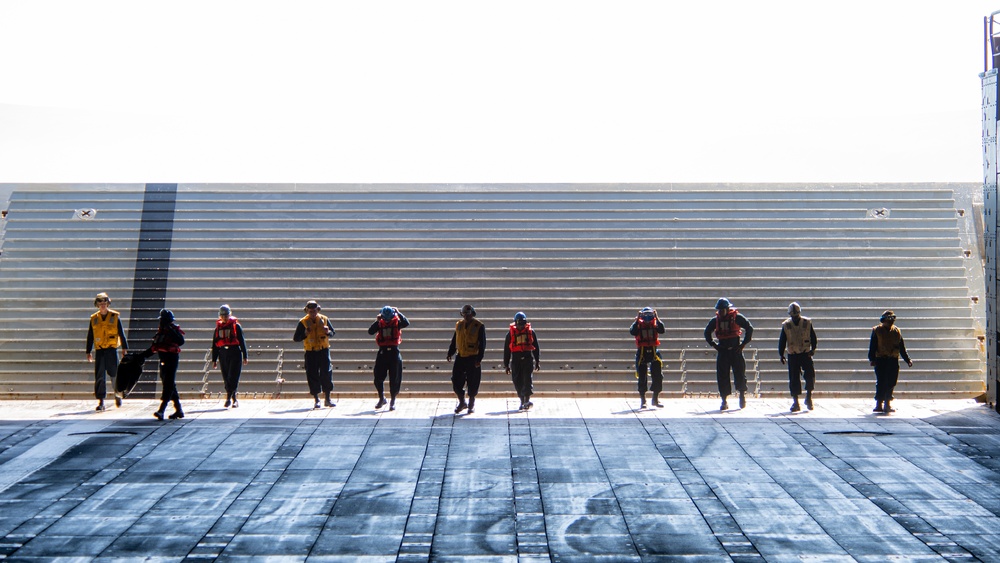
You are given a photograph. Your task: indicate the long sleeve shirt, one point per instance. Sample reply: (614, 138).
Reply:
(741, 321)
(453, 347)
(783, 339)
(634, 329)
(121, 336)
(403, 323)
(873, 347)
(300, 331)
(242, 345)
(507, 353)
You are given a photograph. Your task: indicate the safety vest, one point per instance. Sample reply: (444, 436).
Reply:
(798, 338)
(726, 327)
(316, 336)
(520, 340)
(225, 333)
(105, 330)
(163, 341)
(646, 334)
(388, 332)
(467, 337)
(887, 342)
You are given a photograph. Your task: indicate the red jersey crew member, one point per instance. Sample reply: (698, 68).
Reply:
(728, 325)
(469, 342)
(104, 336)
(387, 329)
(520, 347)
(229, 349)
(884, 350)
(647, 329)
(314, 331)
(167, 344)
(799, 338)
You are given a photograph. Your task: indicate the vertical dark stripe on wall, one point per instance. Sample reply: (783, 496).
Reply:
(152, 267)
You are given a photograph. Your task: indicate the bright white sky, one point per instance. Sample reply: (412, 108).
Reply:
(472, 91)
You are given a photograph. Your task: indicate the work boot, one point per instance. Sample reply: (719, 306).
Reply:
(472, 405)
(795, 405)
(392, 403)
(724, 406)
(809, 401)
(317, 405)
(236, 403)
(228, 402)
(528, 404)
(100, 406)
(176, 414)
(743, 400)
(887, 409)
(158, 414)
(380, 403)
(461, 405)
(328, 402)
(656, 401)
(878, 406)
(118, 401)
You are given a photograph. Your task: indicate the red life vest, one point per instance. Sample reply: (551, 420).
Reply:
(726, 327)
(225, 333)
(646, 334)
(520, 340)
(388, 333)
(163, 341)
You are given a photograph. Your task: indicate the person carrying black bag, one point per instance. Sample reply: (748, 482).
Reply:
(167, 344)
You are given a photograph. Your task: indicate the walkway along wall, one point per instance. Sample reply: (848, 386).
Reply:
(580, 260)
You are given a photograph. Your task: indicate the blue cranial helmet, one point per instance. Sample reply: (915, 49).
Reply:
(723, 303)
(388, 312)
(520, 317)
(647, 314)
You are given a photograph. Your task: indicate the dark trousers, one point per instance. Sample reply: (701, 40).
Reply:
(168, 377)
(105, 361)
(886, 376)
(800, 366)
(388, 363)
(649, 357)
(730, 358)
(465, 373)
(319, 373)
(231, 365)
(521, 367)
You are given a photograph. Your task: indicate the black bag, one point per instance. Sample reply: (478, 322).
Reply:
(129, 372)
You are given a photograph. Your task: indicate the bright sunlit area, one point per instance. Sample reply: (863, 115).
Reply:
(515, 91)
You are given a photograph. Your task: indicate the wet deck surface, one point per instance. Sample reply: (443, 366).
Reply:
(571, 480)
